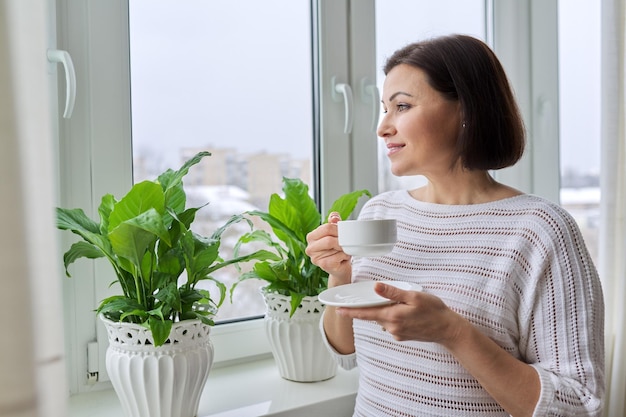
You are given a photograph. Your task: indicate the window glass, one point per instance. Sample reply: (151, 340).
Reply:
(232, 78)
(579, 108)
(399, 22)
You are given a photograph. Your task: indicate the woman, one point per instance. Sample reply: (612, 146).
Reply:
(510, 319)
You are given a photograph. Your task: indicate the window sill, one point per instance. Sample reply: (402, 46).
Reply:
(248, 389)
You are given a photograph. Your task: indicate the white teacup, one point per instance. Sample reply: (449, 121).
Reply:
(367, 237)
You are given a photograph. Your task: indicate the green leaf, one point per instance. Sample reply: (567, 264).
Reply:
(269, 271)
(191, 296)
(257, 236)
(222, 289)
(175, 198)
(160, 329)
(106, 207)
(170, 296)
(217, 234)
(260, 255)
(162, 279)
(199, 253)
(297, 197)
(76, 220)
(345, 204)
(80, 250)
(187, 217)
(114, 307)
(158, 313)
(171, 178)
(292, 241)
(263, 237)
(135, 236)
(171, 262)
(126, 265)
(204, 319)
(142, 197)
(148, 267)
(286, 215)
(137, 313)
(172, 185)
(296, 300)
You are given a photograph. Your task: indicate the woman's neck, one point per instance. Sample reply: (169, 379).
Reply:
(463, 188)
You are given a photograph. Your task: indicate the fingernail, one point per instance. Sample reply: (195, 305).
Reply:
(334, 216)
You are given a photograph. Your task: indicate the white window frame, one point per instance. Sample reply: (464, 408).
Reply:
(525, 38)
(96, 137)
(347, 56)
(95, 148)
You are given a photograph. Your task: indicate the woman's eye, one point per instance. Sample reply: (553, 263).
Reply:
(402, 107)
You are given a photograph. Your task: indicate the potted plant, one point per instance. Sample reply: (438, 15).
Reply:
(293, 281)
(158, 261)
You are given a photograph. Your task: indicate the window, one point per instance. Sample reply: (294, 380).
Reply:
(96, 145)
(200, 81)
(579, 93)
(320, 43)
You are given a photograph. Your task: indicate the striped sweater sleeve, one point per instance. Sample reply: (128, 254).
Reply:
(562, 320)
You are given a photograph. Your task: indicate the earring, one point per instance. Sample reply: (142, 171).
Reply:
(464, 125)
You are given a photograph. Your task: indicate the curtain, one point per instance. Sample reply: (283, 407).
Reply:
(32, 368)
(612, 262)
(17, 374)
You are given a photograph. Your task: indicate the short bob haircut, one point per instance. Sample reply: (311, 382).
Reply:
(464, 68)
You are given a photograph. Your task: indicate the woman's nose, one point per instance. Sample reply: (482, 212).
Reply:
(385, 128)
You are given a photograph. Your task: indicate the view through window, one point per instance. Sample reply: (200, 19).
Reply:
(200, 81)
(579, 107)
(232, 78)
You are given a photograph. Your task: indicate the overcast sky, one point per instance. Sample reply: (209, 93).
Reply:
(238, 75)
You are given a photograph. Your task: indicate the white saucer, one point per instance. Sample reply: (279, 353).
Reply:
(361, 294)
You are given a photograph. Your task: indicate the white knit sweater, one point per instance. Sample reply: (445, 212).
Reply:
(519, 271)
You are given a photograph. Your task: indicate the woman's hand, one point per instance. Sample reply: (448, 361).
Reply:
(324, 250)
(415, 315)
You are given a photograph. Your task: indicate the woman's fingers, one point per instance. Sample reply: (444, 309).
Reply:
(414, 315)
(334, 217)
(324, 250)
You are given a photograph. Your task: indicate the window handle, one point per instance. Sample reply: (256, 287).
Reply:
(339, 90)
(63, 57)
(369, 94)
(546, 119)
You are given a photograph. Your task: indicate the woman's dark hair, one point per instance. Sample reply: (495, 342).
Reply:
(464, 68)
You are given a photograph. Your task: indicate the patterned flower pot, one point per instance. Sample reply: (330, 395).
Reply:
(296, 342)
(164, 381)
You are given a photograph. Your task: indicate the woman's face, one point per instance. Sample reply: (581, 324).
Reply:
(420, 127)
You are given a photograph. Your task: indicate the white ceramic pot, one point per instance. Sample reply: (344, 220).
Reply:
(296, 342)
(164, 381)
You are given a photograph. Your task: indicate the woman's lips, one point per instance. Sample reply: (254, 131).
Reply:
(393, 148)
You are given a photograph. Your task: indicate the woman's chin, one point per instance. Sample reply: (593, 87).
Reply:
(399, 171)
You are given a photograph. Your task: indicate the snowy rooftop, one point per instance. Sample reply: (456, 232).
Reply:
(589, 195)
(222, 199)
